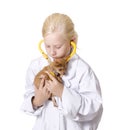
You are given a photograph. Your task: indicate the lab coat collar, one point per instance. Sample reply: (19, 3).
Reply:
(71, 70)
(72, 65)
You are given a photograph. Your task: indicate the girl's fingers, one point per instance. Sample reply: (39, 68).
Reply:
(47, 92)
(51, 76)
(47, 85)
(41, 84)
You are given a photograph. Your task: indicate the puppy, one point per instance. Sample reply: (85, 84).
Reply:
(57, 68)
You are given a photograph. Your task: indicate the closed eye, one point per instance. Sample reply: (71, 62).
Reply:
(58, 47)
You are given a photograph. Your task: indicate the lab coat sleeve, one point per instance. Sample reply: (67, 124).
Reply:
(27, 106)
(85, 103)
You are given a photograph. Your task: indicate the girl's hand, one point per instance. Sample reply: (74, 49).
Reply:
(54, 86)
(41, 95)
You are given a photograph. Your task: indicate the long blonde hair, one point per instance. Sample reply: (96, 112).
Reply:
(61, 23)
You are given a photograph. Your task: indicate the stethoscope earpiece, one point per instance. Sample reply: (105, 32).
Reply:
(42, 52)
(73, 44)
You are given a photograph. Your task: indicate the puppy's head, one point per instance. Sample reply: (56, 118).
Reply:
(59, 66)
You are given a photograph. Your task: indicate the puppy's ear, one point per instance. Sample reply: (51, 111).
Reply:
(57, 61)
(65, 59)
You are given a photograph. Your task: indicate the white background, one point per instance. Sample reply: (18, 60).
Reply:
(20, 32)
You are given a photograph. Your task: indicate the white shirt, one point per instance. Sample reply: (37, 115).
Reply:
(81, 104)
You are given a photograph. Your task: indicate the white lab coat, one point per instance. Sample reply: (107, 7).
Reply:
(81, 104)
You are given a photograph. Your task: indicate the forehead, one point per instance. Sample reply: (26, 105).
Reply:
(54, 39)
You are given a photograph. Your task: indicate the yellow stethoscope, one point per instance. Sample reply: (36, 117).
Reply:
(46, 56)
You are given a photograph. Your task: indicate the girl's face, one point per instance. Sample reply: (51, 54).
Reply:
(56, 46)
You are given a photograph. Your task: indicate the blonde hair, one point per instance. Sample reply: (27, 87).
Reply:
(61, 23)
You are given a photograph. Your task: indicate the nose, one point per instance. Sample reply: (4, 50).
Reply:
(53, 52)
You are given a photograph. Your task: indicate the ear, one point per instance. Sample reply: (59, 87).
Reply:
(65, 58)
(56, 60)
(73, 38)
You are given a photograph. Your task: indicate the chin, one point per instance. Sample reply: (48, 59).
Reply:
(57, 57)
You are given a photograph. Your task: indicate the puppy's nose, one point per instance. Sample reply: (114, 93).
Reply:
(63, 73)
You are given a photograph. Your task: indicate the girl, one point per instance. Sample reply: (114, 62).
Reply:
(78, 97)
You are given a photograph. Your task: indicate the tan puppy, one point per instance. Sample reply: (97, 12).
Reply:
(57, 68)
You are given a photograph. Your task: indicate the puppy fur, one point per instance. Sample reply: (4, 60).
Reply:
(58, 67)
